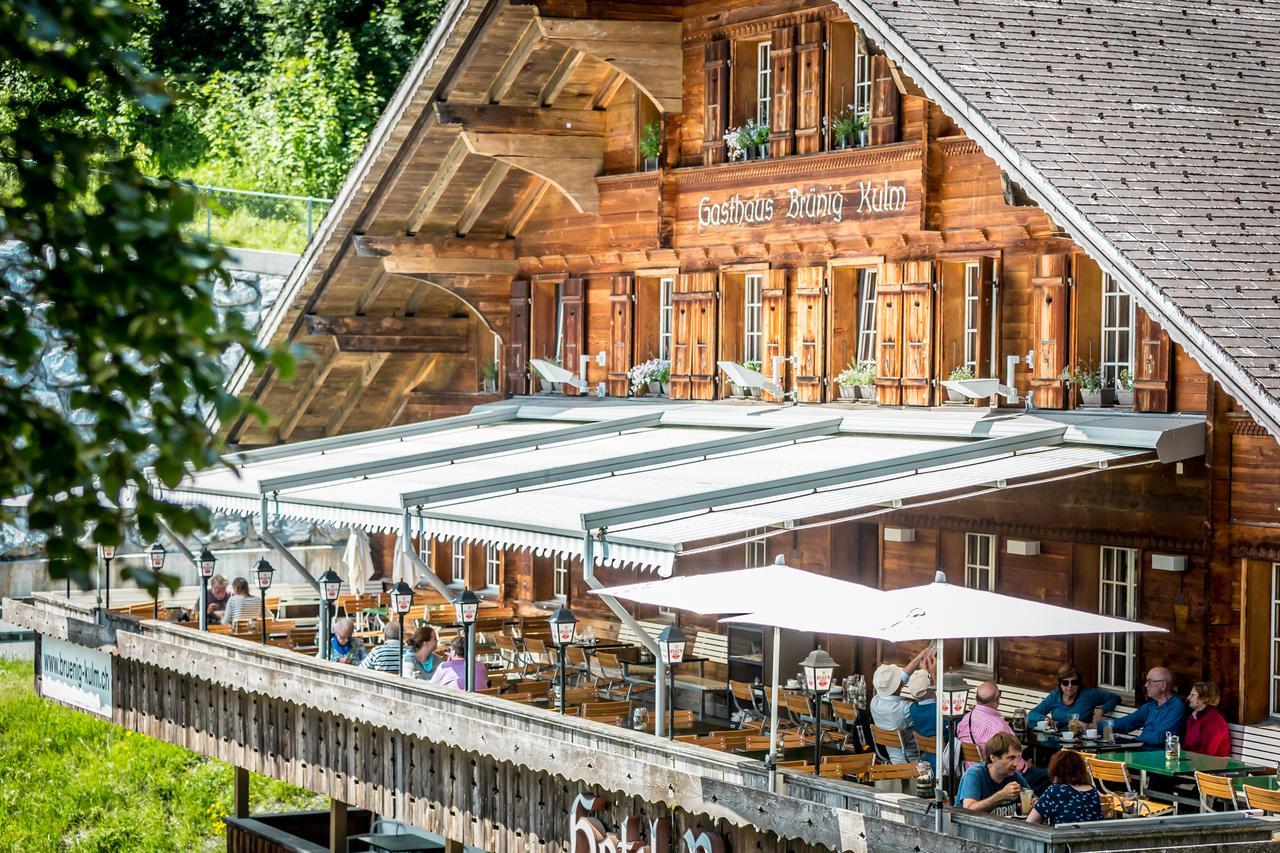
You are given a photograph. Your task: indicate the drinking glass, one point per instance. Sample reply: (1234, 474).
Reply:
(1024, 801)
(1074, 724)
(1172, 747)
(640, 718)
(1108, 731)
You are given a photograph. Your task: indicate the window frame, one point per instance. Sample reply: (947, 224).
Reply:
(861, 78)
(458, 559)
(1274, 686)
(492, 566)
(559, 577)
(1125, 559)
(976, 649)
(764, 82)
(753, 332)
(756, 549)
(868, 280)
(972, 312)
(1115, 331)
(666, 287)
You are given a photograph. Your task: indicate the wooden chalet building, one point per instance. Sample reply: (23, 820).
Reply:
(1044, 186)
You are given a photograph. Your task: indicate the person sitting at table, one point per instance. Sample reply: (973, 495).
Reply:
(1071, 798)
(1072, 697)
(984, 722)
(242, 605)
(923, 708)
(420, 660)
(452, 673)
(994, 785)
(344, 645)
(215, 600)
(890, 710)
(1207, 731)
(386, 657)
(1163, 712)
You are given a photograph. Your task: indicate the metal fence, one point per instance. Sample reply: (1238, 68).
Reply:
(253, 220)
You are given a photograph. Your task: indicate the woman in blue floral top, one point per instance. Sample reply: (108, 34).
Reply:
(1071, 798)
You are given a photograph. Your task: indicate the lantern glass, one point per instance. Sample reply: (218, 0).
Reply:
(330, 585)
(206, 563)
(465, 607)
(819, 668)
(671, 643)
(264, 571)
(564, 626)
(954, 695)
(108, 552)
(401, 597)
(157, 553)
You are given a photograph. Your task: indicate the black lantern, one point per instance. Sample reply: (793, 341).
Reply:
(330, 587)
(401, 601)
(205, 565)
(465, 606)
(671, 646)
(953, 696)
(263, 571)
(818, 670)
(563, 628)
(108, 554)
(155, 558)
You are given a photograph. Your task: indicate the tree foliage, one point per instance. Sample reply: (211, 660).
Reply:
(106, 285)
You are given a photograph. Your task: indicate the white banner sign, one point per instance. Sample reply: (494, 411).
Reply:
(76, 675)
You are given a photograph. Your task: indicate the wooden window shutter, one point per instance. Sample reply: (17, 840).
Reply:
(715, 107)
(782, 77)
(917, 333)
(889, 299)
(518, 339)
(884, 102)
(773, 324)
(1152, 373)
(693, 338)
(810, 337)
(573, 312)
(810, 64)
(621, 331)
(1049, 330)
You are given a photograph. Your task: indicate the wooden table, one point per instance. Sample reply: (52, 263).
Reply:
(402, 843)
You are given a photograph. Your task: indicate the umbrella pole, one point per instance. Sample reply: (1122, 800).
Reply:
(939, 738)
(773, 715)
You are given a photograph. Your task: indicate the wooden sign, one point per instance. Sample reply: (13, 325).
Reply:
(587, 834)
(812, 205)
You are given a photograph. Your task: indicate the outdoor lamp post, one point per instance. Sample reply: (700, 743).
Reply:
(671, 644)
(155, 558)
(818, 670)
(401, 601)
(953, 696)
(108, 553)
(263, 571)
(465, 607)
(563, 628)
(330, 586)
(205, 564)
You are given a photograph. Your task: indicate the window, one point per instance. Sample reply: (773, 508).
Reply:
(1118, 596)
(972, 305)
(861, 80)
(980, 573)
(757, 549)
(1275, 639)
(426, 548)
(459, 566)
(492, 567)
(764, 90)
(560, 577)
(753, 319)
(1117, 332)
(665, 286)
(866, 315)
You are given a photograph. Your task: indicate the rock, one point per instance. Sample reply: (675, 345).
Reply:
(231, 357)
(49, 399)
(250, 319)
(270, 286)
(225, 527)
(290, 531)
(60, 370)
(235, 295)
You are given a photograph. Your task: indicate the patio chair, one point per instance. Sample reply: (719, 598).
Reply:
(883, 772)
(576, 665)
(851, 765)
(604, 709)
(970, 753)
(885, 740)
(1116, 772)
(607, 676)
(541, 663)
(1261, 798)
(846, 714)
(746, 706)
(1212, 788)
(927, 745)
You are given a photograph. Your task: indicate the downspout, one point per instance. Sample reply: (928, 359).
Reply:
(659, 672)
(995, 328)
(423, 570)
(265, 537)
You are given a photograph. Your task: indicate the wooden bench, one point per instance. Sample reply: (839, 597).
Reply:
(1013, 698)
(708, 647)
(626, 634)
(1257, 744)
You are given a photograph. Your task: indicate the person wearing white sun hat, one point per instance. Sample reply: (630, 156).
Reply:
(890, 710)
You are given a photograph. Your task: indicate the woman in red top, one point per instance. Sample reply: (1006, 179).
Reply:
(1207, 731)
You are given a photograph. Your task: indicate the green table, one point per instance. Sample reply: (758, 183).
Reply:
(1152, 761)
(1270, 783)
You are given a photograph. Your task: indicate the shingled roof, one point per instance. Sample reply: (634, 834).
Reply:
(1149, 130)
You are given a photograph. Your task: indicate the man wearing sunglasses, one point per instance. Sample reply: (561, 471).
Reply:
(1164, 712)
(1071, 697)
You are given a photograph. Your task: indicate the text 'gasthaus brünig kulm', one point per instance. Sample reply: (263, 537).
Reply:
(810, 205)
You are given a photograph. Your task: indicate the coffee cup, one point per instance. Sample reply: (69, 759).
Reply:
(1091, 734)
(792, 684)
(1043, 725)
(1067, 735)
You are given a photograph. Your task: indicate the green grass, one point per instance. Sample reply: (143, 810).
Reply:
(72, 782)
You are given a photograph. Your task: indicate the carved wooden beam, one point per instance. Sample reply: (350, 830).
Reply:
(528, 203)
(520, 53)
(648, 52)
(436, 186)
(547, 121)
(560, 77)
(383, 327)
(570, 164)
(481, 197)
(355, 392)
(434, 246)
(310, 388)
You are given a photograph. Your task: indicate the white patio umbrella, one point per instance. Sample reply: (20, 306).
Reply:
(402, 568)
(939, 611)
(745, 591)
(358, 559)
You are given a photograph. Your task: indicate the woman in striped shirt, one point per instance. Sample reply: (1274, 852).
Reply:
(241, 605)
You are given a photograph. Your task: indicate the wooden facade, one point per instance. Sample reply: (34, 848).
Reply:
(515, 207)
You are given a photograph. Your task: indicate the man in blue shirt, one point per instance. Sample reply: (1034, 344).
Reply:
(1072, 697)
(1164, 712)
(994, 785)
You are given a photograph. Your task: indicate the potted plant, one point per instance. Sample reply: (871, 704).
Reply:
(652, 376)
(752, 365)
(1089, 382)
(662, 373)
(960, 374)
(1124, 388)
(857, 381)
(651, 145)
(750, 140)
(489, 370)
(849, 128)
